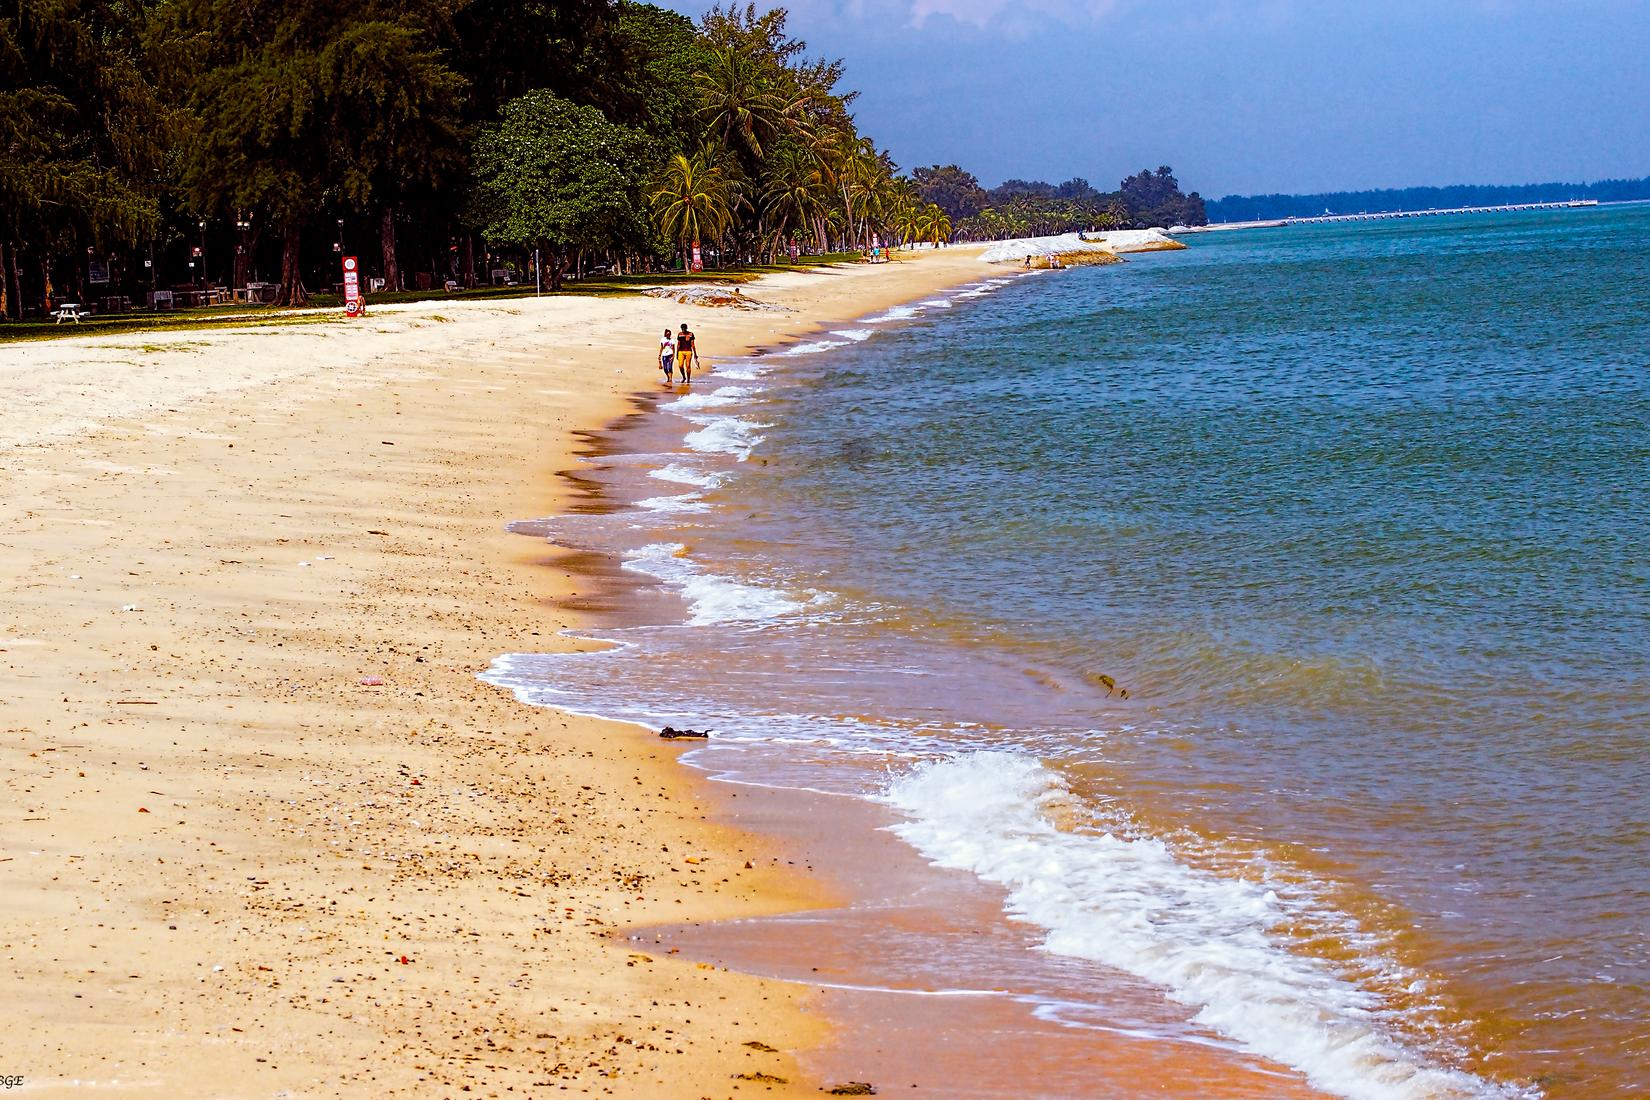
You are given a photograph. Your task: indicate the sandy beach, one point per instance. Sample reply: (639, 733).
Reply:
(266, 832)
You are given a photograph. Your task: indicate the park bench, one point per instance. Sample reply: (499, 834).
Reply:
(70, 311)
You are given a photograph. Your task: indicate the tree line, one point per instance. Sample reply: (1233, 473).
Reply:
(1244, 208)
(1031, 208)
(155, 143)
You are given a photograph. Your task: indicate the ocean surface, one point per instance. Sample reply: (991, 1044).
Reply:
(1269, 622)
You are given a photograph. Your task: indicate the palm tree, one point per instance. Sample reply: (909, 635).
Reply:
(900, 207)
(794, 193)
(854, 171)
(741, 105)
(933, 225)
(690, 200)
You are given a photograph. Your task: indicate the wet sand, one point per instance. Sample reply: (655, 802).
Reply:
(265, 833)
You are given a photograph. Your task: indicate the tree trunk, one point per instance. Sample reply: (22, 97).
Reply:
(8, 297)
(469, 259)
(386, 242)
(46, 282)
(292, 270)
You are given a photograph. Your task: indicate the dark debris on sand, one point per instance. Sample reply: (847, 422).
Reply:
(671, 733)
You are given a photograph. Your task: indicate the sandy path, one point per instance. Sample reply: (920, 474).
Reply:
(230, 867)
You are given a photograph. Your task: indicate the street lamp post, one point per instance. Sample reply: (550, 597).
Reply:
(203, 254)
(242, 225)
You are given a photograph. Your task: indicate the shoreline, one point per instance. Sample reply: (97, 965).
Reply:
(888, 1027)
(828, 834)
(252, 769)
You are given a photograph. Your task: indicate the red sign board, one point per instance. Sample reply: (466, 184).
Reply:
(698, 263)
(354, 304)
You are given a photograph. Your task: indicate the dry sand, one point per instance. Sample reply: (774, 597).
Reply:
(264, 831)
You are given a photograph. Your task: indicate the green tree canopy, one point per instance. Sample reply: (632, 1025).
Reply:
(295, 103)
(507, 48)
(951, 189)
(554, 174)
(82, 133)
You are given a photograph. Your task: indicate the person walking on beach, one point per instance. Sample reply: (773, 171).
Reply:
(684, 354)
(667, 355)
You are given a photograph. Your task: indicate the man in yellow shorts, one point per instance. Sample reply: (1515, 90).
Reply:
(684, 354)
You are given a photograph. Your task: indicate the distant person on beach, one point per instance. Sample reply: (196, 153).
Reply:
(684, 354)
(667, 355)
(1028, 261)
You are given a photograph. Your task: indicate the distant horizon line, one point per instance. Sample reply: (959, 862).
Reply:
(1601, 180)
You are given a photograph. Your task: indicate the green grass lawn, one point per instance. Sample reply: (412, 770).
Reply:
(243, 316)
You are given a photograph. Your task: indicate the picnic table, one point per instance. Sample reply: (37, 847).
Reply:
(70, 311)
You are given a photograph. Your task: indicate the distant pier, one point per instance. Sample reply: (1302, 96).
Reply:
(1572, 204)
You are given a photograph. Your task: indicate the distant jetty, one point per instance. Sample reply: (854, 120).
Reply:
(1384, 215)
(1570, 205)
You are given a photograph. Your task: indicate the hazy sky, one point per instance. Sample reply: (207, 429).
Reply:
(1245, 96)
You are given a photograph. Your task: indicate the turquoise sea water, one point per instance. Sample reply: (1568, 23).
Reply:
(1356, 518)
(1360, 515)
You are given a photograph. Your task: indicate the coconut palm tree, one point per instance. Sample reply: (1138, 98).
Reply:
(933, 225)
(793, 193)
(690, 200)
(742, 105)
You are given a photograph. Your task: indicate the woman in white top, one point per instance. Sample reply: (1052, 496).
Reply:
(667, 355)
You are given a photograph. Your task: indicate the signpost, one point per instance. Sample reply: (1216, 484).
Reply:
(698, 261)
(354, 304)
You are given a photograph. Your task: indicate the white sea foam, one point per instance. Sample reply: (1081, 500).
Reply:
(741, 370)
(687, 502)
(729, 435)
(812, 347)
(687, 475)
(854, 334)
(713, 399)
(1213, 943)
(898, 313)
(938, 303)
(711, 598)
